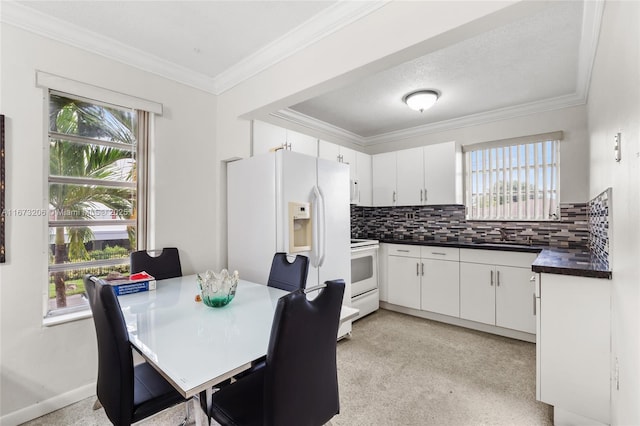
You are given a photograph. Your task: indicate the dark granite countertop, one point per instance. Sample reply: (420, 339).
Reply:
(550, 260)
(505, 246)
(570, 262)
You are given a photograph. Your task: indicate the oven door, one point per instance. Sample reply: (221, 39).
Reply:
(364, 269)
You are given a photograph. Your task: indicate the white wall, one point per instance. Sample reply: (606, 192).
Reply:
(614, 106)
(43, 368)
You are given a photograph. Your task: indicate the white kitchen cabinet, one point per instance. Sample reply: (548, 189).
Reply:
(423, 278)
(425, 175)
(359, 169)
(410, 177)
(440, 280)
(495, 288)
(363, 184)
(573, 347)
(404, 281)
(442, 174)
(268, 137)
(384, 179)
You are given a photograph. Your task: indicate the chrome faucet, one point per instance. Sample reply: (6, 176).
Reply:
(503, 235)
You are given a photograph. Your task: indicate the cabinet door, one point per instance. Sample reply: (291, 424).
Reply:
(328, 151)
(515, 296)
(403, 281)
(267, 137)
(575, 345)
(440, 173)
(441, 287)
(384, 179)
(477, 292)
(363, 165)
(304, 144)
(410, 177)
(348, 156)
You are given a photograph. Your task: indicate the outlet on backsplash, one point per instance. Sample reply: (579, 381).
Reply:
(410, 216)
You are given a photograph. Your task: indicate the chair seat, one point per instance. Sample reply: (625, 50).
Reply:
(152, 393)
(241, 401)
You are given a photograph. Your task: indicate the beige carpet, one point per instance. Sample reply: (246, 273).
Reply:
(401, 370)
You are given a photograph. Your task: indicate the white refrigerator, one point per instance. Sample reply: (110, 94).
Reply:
(260, 192)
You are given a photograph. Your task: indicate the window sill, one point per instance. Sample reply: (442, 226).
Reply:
(65, 318)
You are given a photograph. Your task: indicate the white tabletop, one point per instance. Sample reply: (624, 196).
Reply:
(195, 346)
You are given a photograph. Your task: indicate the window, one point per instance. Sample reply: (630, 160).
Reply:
(96, 194)
(515, 179)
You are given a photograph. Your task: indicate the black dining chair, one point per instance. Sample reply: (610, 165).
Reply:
(163, 266)
(128, 393)
(288, 276)
(299, 384)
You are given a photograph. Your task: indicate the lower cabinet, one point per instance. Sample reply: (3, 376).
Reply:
(423, 278)
(440, 280)
(574, 348)
(404, 277)
(498, 295)
(484, 286)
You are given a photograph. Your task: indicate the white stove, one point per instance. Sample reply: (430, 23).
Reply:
(364, 276)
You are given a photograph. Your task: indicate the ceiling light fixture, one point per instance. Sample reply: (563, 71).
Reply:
(421, 99)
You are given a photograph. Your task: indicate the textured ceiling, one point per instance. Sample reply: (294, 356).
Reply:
(530, 60)
(204, 36)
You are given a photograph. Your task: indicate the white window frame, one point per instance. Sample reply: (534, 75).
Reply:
(80, 90)
(537, 178)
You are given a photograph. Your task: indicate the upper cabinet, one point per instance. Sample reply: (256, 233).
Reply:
(267, 138)
(359, 169)
(384, 179)
(419, 176)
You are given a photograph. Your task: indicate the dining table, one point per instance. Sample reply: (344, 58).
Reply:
(196, 347)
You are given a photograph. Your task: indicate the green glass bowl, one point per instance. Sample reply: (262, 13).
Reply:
(218, 291)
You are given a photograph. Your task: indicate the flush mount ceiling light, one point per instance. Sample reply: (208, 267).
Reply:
(421, 99)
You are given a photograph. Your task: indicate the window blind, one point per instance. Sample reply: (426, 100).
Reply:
(509, 180)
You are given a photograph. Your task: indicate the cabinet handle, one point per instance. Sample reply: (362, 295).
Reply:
(421, 195)
(403, 251)
(422, 269)
(394, 196)
(438, 253)
(417, 269)
(425, 195)
(534, 304)
(491, 278)
(498, 278)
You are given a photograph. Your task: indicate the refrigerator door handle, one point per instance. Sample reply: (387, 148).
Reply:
(321, 224)
(315, 243)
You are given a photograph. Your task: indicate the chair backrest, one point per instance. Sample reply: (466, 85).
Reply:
(301, 378)
(115, 361)
(286, 275)
(165, 265)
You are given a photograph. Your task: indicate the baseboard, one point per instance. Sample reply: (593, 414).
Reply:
(513, 334)
(47, 406)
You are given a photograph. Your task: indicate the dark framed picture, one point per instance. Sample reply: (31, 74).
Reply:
(2, 216)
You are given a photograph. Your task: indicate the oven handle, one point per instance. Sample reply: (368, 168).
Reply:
(364, 248)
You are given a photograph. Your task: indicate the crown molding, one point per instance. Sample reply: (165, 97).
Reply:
(440, 126)
(326, 22)
(321, 25)
(56, 29)
(308, 122)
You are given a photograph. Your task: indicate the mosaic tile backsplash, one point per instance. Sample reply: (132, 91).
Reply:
(447, 223)
(598, 215)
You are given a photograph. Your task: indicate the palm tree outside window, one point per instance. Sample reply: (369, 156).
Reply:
(95, 193)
